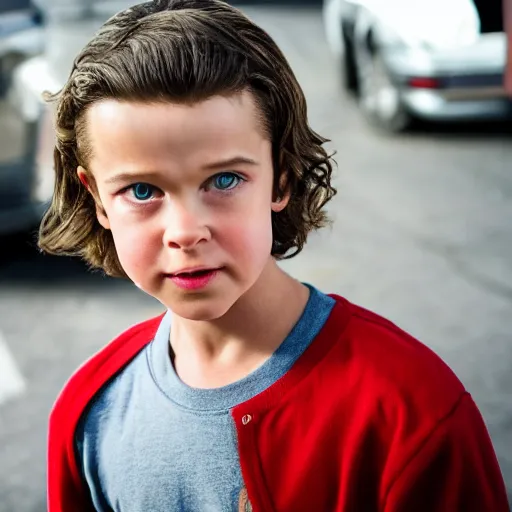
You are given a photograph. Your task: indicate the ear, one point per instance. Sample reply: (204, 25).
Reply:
(279, 203)
(83, 177)
(87, 182)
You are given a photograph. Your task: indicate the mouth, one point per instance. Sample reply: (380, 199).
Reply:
(194, 279)
(191, 272)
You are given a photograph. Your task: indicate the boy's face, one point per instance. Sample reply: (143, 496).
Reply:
(185, 188)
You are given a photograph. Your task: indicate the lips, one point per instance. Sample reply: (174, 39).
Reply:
(195, 271)
(194, 279)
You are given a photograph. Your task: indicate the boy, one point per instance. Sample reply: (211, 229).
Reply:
(184, 162)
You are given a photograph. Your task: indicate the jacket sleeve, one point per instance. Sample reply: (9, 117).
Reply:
(67, 492)
(455, 470)
(66, 489)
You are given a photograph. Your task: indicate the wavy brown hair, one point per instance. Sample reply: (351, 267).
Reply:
(183, 51)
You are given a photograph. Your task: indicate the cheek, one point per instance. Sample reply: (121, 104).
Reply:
(249, 240)
(246, 232)
(136, 246)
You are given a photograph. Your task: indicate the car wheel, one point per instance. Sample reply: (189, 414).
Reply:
(379, 97)
(348, 67)
(8, 63)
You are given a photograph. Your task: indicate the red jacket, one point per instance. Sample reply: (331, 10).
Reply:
(368, 419)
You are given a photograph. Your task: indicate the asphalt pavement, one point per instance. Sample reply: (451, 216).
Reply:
(422, 235)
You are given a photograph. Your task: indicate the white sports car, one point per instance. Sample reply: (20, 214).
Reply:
(439, 60)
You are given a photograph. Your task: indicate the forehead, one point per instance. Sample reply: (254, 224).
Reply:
(126, 132)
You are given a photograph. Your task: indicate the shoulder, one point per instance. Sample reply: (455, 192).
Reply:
(393, 367)
(65, 488)
(395, 390)
(94, 373)
(432, 438)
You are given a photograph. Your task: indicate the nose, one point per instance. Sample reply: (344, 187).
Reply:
(184, 227)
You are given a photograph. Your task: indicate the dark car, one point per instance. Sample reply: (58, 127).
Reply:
(26, 185)
(21, 37)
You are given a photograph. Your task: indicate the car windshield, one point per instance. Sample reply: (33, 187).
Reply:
(438, 23)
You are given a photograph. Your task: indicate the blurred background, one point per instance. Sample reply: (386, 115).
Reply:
(413, 96)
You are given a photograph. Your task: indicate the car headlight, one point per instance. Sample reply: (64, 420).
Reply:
(30, 79)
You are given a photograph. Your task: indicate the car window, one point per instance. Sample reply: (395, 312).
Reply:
(14, 5)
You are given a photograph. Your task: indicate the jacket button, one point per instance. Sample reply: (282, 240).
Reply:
(246, 419)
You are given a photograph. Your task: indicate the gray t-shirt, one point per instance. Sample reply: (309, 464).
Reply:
(149, 442)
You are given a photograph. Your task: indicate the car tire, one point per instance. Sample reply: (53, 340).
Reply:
(378, 97)
(348, 66)
(8, 64)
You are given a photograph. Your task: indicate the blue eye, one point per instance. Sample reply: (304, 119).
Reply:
(226, 181)
(142, 191)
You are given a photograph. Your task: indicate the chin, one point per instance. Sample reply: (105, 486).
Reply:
(200, 308)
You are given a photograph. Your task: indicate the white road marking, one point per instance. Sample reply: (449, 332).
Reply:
(11, 380)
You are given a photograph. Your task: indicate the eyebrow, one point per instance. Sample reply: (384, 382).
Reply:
(124, 177)
(230, 162)
(220, 164)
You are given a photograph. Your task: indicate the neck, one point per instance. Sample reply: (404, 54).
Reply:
(216, 353)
